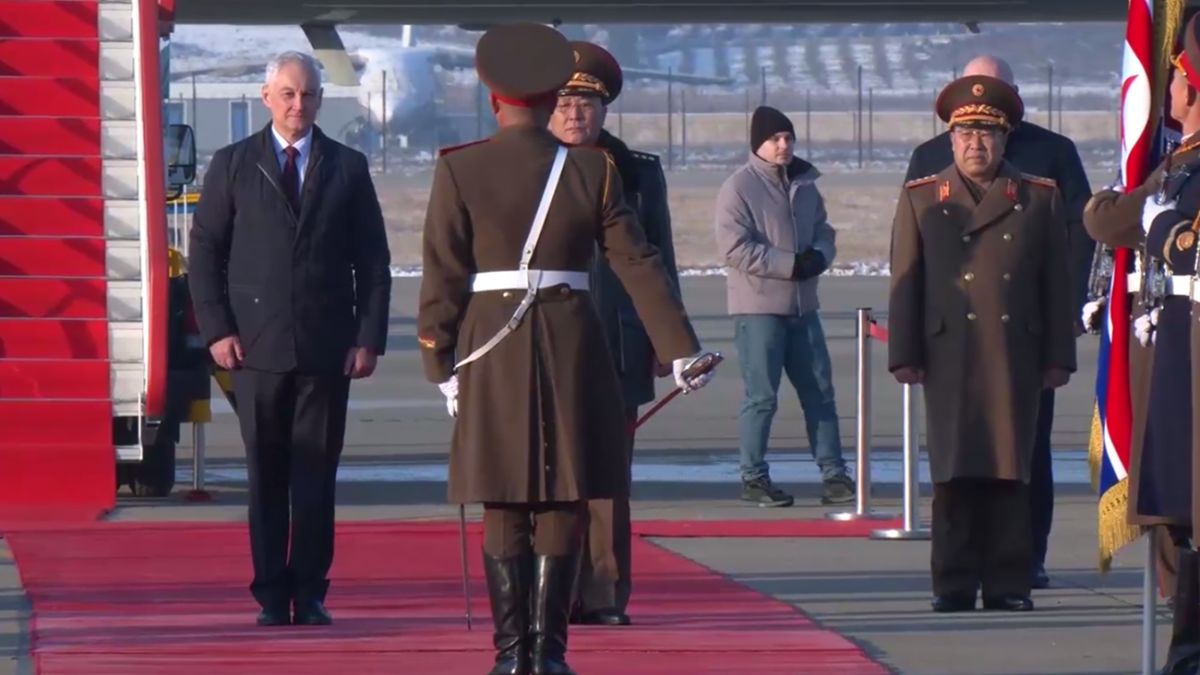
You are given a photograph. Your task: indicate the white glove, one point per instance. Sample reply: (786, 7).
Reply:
(1144, 328)
(1091, 314)
(1151, 210)
(680, 365)
(450, 391)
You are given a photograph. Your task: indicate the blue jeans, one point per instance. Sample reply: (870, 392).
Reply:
(768, 345)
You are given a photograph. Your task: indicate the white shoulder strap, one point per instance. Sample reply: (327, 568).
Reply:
(539, 219)
(531, 281)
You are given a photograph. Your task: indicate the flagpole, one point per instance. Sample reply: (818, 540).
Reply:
(1149, 608)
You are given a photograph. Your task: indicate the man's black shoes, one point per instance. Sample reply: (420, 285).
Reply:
(1008, 603)
(602, 617)
(1040, 580)
(954, 602)
(312, 613)
(274, 616)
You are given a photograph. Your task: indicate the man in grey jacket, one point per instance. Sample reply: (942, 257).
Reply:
(773, 234)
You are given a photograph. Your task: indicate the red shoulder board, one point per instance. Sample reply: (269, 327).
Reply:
(920, 181)
(453, 148)
(1038, 180)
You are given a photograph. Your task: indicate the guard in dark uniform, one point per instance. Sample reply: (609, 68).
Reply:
(604, 582)
(981, 316)
(1168, 480)
(510, 334)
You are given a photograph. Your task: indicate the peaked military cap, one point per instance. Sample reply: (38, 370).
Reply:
(597, 73)
(524, 64)
(1188, 59)
(980, 100)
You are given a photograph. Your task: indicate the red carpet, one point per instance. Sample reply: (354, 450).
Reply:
(142, 599)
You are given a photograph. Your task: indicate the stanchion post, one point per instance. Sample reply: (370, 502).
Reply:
(862, 508)
(1149, 606)
(912, 478)
(198, 493)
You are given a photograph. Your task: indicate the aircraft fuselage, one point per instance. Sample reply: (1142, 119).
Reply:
(482, 12)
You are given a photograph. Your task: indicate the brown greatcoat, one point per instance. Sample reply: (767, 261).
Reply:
(1115, 219)
(981, 300)
(540, 417)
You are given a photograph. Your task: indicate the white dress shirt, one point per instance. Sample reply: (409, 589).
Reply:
(304, 145)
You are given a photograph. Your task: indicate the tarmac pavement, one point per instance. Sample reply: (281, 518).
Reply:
(875, 592)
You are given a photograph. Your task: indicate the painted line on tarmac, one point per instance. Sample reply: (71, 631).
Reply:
(221, 407)
(785, 468)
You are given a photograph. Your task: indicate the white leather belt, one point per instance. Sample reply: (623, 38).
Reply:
(1133, 282)
(1181, 284)
(516, 280)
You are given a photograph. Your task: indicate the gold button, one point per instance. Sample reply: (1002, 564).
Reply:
(1007, 276)
(966, 238)
(565, 290)
(971, 316)
(1007, 236)
(506, 295)
(1018, 207)
(1004, 318)
(969, 276)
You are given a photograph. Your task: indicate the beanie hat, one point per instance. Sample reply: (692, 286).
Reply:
(767, 122)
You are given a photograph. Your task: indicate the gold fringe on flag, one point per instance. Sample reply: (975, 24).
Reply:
(1115, 531)
(1095, 449)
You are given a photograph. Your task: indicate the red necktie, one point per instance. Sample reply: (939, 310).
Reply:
(291, 178)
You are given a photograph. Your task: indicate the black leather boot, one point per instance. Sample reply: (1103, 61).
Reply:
(1183, 656)
(508, 581)
(554, 577)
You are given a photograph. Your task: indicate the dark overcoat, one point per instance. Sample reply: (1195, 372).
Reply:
(298, 289)
(646, 191)
(982, 302)
(540, 417)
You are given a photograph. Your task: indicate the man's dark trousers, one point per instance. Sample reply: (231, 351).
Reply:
(293, 427)
(1041, 480)
(605, 582)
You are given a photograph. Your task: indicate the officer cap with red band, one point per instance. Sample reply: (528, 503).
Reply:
(597, 73)
(1188, 59)
(524, 64)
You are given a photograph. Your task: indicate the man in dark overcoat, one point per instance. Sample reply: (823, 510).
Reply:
(509, 332)
(981, 315)
(1038, 151)
(289, 275)
(604, 582)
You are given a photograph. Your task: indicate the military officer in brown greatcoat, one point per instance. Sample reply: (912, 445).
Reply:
(981, 314)
(605, 578)
(509, 332)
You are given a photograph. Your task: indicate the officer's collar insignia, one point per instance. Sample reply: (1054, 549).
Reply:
(1011, 189)
(944, 191)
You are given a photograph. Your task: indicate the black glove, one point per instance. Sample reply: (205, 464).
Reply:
(808, 264)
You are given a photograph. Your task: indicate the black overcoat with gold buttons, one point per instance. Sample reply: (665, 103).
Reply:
(981, 300)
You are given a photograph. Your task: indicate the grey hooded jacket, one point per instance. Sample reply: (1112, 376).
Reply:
(765, 215)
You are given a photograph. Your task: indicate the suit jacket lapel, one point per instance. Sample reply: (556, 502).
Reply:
(1001, 197)
(314, 173)
(268, 160)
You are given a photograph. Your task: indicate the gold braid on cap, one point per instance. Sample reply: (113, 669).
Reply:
(979, 112)
(586, 82)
